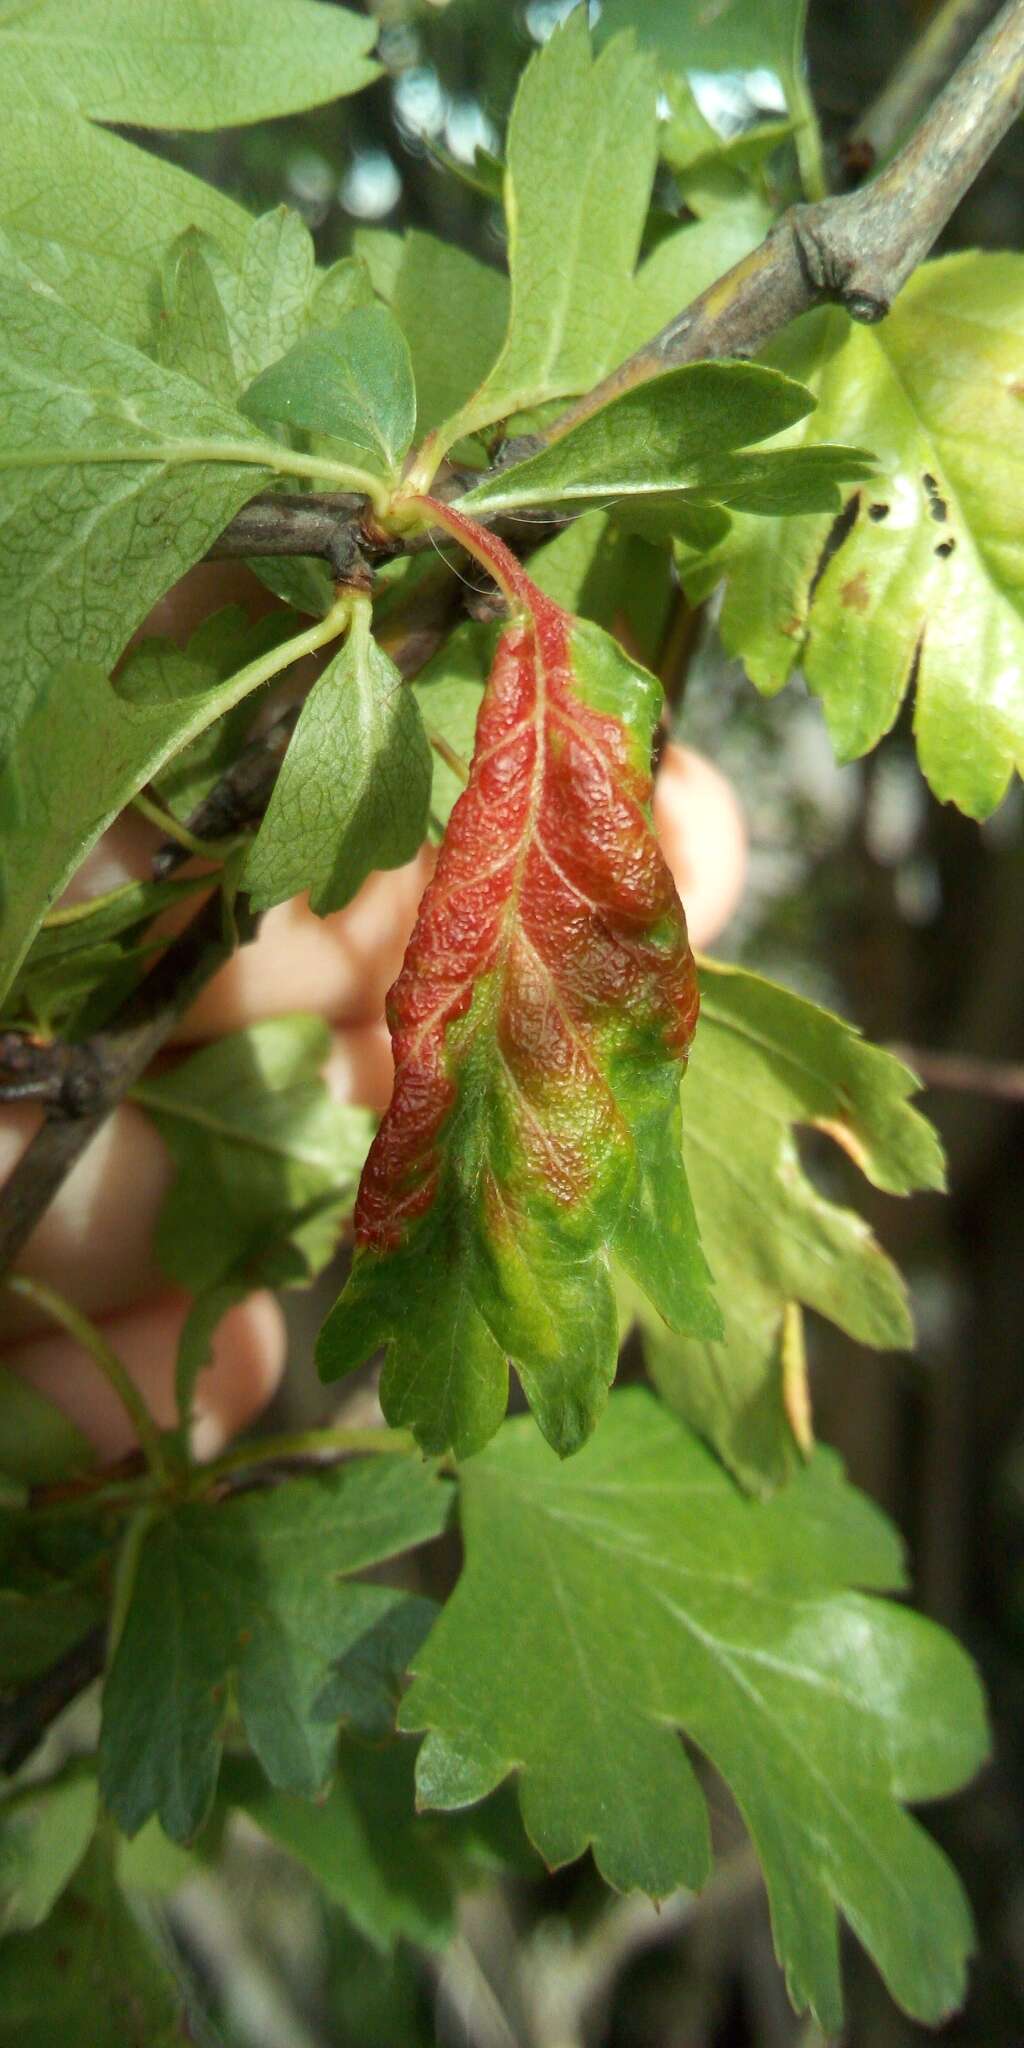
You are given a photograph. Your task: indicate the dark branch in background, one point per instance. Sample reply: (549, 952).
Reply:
(25, 1720)
(108, 1065)
(922, 73)
(960, 1073)
(238, 799)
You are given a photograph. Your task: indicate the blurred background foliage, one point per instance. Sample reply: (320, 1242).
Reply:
(865, 893)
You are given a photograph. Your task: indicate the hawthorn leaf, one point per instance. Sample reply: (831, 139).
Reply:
(103, 258)
(920, 582)
(270, 291)
(90, 1972)
(452, 309)
(45, 1830)
(574, 232)
(353, 382)
(608, 1603)
(764, 1062)
(192, 333)
(674, 434)
(365, 1685)
(159, 671)
(267, 1163)
(593, 566)
(388, 1868)
(114, 477)
(353, 793)
(540, 1026)
(38, 1444)
(82, 753)
(249, 1592)
(183, 64)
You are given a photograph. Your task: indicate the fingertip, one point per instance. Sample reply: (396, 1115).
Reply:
(703, 836)
(360, 1067)
(247, 1361)
(341, 966)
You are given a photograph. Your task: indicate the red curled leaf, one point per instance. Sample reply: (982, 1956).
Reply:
(540, 1027)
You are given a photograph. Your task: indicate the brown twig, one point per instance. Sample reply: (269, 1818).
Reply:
(25, 1719)
(115, 1058)
(913, 85)
(855, 250)
(961, 1073)
(240, 797)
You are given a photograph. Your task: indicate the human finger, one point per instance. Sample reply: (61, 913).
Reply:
(247, 1360)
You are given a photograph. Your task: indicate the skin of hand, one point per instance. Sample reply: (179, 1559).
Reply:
(95, 1244)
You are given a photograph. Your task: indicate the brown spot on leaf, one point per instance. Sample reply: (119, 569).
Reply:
(854, 593)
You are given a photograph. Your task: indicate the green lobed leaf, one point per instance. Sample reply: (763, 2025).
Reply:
(89, 1973)
(764, 1062)
(192, 333)
(249, 1593)
(353, 382)
(608, 1603)
(158, 671)
(540, 1027)
(574, 232)
(83, 752)
(920, 584)
(353, 793)
(365, 1685)
(674, 434)
(388, 1868)
(183, 64)
(44, 1832)
(92, 216)
(268, 290)
(38, 1444)
(267, 1163)
(452, 309)
(114, 476)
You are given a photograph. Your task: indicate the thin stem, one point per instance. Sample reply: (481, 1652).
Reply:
(172, 828)
(85, 1333)
(963, 1074)
(283, 461)
(807, 138)
(447, 754)
(307, 1443)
